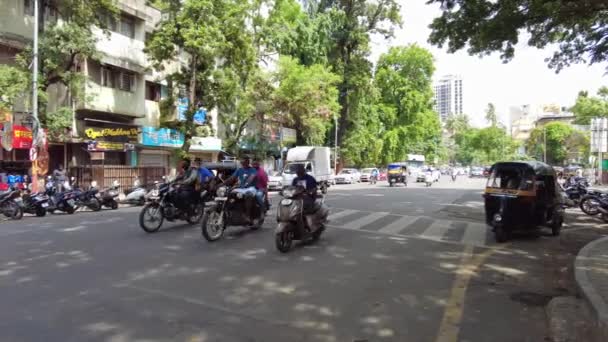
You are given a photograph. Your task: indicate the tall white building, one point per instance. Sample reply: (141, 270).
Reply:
(448, 96)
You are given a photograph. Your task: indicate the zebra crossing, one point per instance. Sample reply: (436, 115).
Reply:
(467, 233)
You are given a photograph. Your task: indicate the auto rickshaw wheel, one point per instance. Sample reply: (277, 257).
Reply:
(501, 234)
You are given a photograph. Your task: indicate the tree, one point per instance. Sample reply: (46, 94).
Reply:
(491, 116)
(563, 142)
(457, 123)
(484, 26)
(588, 107)
(484, 146)
(14, 83)
(306, 97)
(352, 23)
(404, 81)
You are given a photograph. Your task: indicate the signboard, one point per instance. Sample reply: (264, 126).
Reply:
(288, 135)
(112, 134)
(599, 135)
(182, 108)
(205, 144)
(22, 137)
(95, 145)
(163, 137)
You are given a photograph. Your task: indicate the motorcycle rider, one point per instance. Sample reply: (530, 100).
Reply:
(261, 184)
(246, 178)
(453, 173)
(309, 183)
(187, 180)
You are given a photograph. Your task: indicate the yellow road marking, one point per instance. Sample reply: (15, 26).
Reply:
(452, 316)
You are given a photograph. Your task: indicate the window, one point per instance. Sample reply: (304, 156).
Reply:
(116, 78)
(152, 91)
(108, 20)
(127, 26)
(107, 77)
(127, 81)
(28, 7)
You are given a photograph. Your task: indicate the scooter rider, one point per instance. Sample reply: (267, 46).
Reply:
(309, 183)
(246, 178)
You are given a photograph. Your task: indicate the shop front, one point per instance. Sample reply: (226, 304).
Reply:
(110, 143)
(15, 164)
(157, 146)
(207, 149)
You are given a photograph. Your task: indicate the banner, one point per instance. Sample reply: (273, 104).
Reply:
(22, 137)
(182, 108)
(162, 137)
(114, 134)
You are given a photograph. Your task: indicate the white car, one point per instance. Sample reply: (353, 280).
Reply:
(275, 181)
(348, 176)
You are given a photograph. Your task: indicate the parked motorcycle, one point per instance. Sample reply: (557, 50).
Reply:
(88, 198)
(64, 201)
(35, 203)
(135, 195)
(229, 209)
(574, 192)
(292, 220)
(108, 196)
(161, 206)
(595, 203)
(9, 204)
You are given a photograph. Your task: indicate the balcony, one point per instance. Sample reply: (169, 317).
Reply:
(15, 27)
(121, 51)
(115, 101)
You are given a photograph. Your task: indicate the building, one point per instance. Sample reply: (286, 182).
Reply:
(448, 96)
(118, 124)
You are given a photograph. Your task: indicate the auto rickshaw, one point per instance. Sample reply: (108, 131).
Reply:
(397, 173)
(523, 196)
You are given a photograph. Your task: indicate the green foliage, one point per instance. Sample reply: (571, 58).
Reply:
(457, 123)
(306, 97)
(58, 123)
(484, 146)
(14, 84)
(563, 142)
(589, 107)
(491, 116)
(409, 125)
(485, 26)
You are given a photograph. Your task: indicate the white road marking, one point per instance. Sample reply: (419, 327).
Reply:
(436, 230)
(475, 234)
(402, 223)
(341, 214)
(365, 220)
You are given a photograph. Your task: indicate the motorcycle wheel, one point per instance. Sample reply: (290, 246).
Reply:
(94, 204)
(153, 211)
(114, 205)
(317, 234)
(196, 218)
(501, 234)
(589, 206)
(14, 210)
(283, 241)
(210, 227)
(258, 223)
(40, 211)
(70, 210)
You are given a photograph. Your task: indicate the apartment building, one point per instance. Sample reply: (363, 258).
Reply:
(118, 122)
(448, 97)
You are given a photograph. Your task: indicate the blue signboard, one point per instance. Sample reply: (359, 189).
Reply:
(165, 137)
(182, 107)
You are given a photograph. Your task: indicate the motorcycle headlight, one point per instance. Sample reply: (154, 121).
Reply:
(497, 218)
(221, 192)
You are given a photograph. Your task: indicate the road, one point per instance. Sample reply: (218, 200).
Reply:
(396, 264)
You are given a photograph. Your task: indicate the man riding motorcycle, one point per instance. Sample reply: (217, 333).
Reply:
(186, 194)
(246, 178)
(309, 183)
(261, 184)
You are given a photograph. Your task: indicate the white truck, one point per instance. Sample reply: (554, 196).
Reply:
(316, 161)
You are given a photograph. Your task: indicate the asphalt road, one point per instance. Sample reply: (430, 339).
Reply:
(396, 264)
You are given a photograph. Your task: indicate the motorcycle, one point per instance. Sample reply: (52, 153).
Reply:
(108, 196)
(88, 198)
(228, 208)
(575, 192)
(9, 204)
(136, 195)
(292, 220)
(64, 201)
(161, 206)
(595, 203)
(35, 203)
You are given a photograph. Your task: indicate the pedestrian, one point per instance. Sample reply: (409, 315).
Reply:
(60, 177)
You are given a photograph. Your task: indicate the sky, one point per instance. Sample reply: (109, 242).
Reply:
(524, 80)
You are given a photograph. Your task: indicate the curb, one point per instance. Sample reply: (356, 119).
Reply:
(595, 301)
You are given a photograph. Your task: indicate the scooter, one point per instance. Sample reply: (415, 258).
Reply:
(34, 203)
(9, 204)
(62, 201)
(108, 196)
(88, 198)
(135, 195)
(293, 221)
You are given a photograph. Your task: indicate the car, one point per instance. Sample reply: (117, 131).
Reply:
(275, 181)
(348, 176)
(476, 172)
(367, 173)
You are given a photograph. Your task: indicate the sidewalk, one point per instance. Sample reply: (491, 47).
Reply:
(591, 273)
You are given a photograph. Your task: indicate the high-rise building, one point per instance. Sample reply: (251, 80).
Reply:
(448, 96)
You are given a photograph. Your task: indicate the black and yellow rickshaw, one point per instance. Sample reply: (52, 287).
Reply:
(523, 196)
(397, 173)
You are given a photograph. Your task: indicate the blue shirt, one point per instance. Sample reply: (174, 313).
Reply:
(308, 182)
(243, 174)
(204, 174)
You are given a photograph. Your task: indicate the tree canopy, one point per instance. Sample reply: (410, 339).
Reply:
(578, 28)
(563, 143)
(589, 107)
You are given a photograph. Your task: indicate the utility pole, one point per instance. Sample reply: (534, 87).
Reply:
(35, 73)
(545, 144)
(336, 145)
